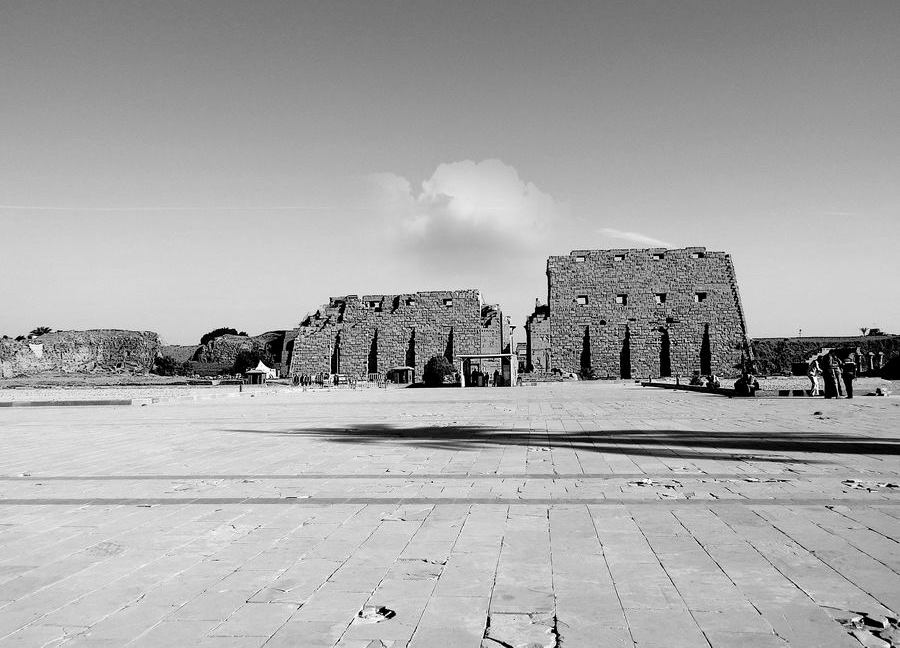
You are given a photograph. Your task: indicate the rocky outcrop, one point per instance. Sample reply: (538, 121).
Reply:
(98, 350)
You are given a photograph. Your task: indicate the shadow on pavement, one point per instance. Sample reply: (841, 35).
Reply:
(752, 446)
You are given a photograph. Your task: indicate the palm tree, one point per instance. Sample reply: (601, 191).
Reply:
(40, 330)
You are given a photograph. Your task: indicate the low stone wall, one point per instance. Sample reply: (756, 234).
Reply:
(99, 350)
(775, 356)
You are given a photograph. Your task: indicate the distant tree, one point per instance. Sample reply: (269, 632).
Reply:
(165, 366)
(185, 369)
(588, 373)
(864, 330)
(243, 333)
(437, 370)
(245, 360)
(40, 330)
(20, 338)
(219, 332)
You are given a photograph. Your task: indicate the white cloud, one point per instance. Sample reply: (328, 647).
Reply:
(468, 205)
(634, 237)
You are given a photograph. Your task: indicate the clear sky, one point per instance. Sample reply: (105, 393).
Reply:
(179, 166)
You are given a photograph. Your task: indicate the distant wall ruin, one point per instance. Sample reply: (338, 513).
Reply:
(92, 351)
(631, 313)
(359, 336)
(777, 356)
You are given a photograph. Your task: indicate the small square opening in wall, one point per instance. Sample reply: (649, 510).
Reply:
(622, 299)
(581, 300)
(373, 304)
(660, 298)
(411, 301)
(700, 297)
(579, 259)
(697, 255)
(658, 256)
(619, 257)
(448, 301)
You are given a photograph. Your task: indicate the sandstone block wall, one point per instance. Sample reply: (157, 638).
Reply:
(80, 352)
(537, 340)
(353, 334)
(682, 312)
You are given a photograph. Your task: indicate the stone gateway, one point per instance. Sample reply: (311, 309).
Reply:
(631, 313)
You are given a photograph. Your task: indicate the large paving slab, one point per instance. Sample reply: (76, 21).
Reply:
(585, 514)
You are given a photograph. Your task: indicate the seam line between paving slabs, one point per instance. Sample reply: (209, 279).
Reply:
(659, 561)
(746, 596)
(786, 577)
(388, 571)
(599, 476)
(487, 616)
(319, 501)
(814, 554)
(609, 571)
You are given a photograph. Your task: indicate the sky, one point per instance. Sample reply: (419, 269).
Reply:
(180, 166)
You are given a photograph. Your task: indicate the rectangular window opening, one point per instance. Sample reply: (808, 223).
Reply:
(658, 256)
(581, 300)
(660, 298)
(622, 299)
(448, 301)
(699, 297)
(619, 257)
(411, 301)
(697, 255)
(579, 259)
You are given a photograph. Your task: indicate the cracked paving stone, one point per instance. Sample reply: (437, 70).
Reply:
(505, 630)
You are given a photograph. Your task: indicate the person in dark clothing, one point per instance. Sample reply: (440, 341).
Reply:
(828, 376)
(836, 368)
(849, 374)
(746, 385)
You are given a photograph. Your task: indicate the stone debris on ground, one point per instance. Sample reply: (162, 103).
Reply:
(870, 486)
(374, 614)
(670, 483)
(652, 522)
(874, 631)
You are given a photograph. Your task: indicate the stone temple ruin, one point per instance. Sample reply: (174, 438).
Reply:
(92, 351)
(377, 334)
(624, 313)
(631, 313)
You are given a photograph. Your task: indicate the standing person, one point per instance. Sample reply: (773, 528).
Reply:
(813, 373)
(836, 368)
(496, 378)
(849, 374)
(828, 376)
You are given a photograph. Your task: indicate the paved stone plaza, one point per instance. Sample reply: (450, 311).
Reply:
(577, 515)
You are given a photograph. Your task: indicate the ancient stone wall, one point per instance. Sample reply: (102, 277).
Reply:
(776, 356)
(370, 334)
(537, 340)
(650, 312)
(90, 351)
